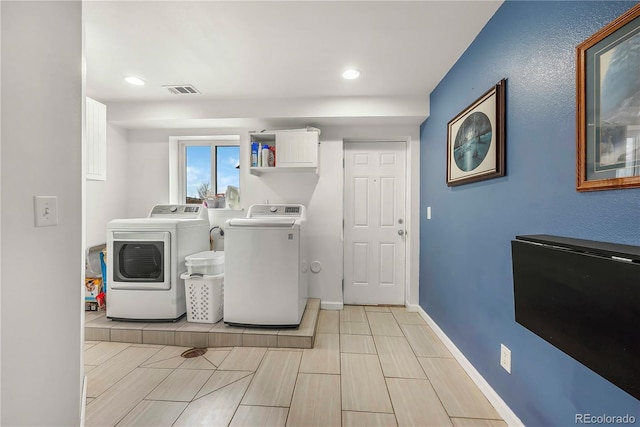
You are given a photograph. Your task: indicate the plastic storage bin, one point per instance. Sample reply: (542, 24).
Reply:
(205, 297)
(207, 263)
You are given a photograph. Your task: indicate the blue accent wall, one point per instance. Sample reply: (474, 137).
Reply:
(466, 282)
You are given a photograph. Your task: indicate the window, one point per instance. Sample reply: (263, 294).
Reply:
(206, 168)
(198, 173)
(227, 167)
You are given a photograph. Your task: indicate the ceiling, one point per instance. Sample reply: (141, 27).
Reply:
(287, 56)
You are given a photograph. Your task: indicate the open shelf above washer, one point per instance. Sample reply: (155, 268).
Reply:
(295, 151)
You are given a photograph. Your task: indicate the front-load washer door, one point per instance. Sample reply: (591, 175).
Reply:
(140, 260)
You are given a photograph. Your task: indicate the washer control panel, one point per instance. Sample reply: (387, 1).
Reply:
(287, 211)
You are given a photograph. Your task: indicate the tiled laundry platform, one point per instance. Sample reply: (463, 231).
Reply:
(184, 334)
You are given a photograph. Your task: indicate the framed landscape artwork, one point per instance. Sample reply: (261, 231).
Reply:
(476, 139)
(608, 106)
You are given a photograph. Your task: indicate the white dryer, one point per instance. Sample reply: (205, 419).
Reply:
(266, 267)
(145, 257)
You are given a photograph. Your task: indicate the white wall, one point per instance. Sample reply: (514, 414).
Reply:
(148, 171)
(107, 200)
(323, 194)
(42, 93)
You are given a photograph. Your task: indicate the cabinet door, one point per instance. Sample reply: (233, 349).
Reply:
(297, 149)
(96, 140)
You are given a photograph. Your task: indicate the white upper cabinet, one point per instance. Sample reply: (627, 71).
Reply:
(96, 144)
(295, 151)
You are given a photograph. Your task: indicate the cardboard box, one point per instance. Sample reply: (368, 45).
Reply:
(92, 289)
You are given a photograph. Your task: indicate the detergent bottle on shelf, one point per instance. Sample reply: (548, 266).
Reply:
(254, 154)
(265, 156)
(272, 156)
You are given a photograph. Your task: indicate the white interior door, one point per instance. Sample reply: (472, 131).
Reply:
(374, 221)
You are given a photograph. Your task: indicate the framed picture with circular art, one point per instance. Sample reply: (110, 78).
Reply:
(476, 139)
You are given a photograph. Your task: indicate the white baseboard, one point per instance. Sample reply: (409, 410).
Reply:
(503, 409)
(413, 308)
(83, 403)
(331, 305)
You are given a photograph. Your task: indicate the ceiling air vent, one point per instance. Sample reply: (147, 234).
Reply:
(182, 89)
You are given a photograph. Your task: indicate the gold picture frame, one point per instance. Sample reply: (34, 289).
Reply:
(608, 106)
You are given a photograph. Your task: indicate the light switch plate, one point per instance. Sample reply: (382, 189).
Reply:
(428, 212)
(45, 210)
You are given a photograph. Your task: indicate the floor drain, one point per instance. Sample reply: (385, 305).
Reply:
(194, 352)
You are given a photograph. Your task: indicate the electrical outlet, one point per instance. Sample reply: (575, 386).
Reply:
(505, 358)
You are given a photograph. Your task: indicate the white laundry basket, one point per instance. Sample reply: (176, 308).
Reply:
(205, 296)
(207, 262)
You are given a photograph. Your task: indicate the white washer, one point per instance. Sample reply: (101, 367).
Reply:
(266, 267)
(145, 257)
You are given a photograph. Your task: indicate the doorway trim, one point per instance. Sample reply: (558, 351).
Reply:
(412, 213)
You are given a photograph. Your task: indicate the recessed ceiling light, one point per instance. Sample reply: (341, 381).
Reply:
(134, 80)
(351, 74)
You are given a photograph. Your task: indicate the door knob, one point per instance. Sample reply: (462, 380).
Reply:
(401, 232)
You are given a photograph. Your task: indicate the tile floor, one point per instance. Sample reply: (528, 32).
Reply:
(370, 366)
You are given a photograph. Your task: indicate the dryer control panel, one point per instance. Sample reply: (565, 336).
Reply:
(178, 211)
